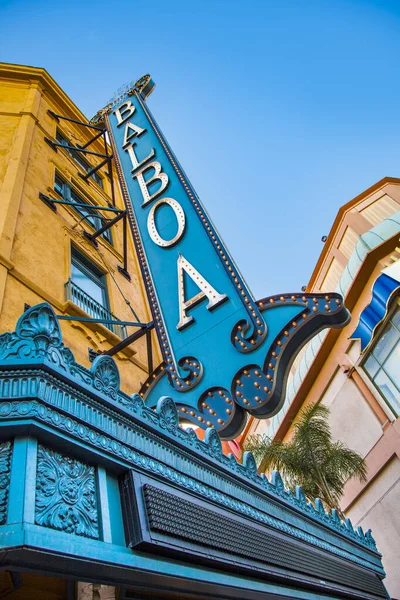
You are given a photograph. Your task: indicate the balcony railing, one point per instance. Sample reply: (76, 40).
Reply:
(93, 308)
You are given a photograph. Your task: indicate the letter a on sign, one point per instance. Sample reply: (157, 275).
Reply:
(224, 354)
(207, 291)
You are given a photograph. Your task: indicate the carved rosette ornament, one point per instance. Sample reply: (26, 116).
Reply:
(65, 494)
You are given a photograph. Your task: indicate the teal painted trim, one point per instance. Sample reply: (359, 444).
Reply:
(42, 386)
(388, 228)
(36, 537)
(146, 464)
(114, 502)
(5, 470)
(21, 501)
(104, 510)
(142, 444)
(30, 480)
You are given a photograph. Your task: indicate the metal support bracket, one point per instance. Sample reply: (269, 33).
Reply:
(120, 214)
(144, 330)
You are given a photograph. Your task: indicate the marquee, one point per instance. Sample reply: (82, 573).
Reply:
(224, 353)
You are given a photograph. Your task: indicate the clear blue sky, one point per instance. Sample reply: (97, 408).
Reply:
(280, 111)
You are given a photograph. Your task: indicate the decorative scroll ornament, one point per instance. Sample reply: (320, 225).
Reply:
(143, 86)
(224, 354)
(168, 414)
(214, 442)
(65, 494)
(105, 375)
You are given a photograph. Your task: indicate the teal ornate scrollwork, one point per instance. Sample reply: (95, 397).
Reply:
(250, 465)
(105, 376)
(65, 494)
(24, 395)
(37, 330)
(38, 336)
(5, 458)
(213, 441)
(168, 414)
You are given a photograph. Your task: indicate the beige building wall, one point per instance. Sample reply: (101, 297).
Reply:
(36, 243)
(332, 372)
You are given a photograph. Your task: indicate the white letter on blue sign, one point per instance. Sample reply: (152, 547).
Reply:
(135, 131)
(124, 111)
(135, 163)
(144, 185)
(207, 290)
(151, 223)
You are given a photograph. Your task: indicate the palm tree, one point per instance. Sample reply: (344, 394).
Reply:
(311, 459)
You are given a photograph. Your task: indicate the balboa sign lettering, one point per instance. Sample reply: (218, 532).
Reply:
(224, 354)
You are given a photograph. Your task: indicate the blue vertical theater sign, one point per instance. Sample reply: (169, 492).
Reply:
(224, 353)
(99, 486)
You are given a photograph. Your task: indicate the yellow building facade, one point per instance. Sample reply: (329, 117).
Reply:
(45, 254)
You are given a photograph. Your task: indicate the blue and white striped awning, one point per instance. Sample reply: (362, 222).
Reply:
(385, 287)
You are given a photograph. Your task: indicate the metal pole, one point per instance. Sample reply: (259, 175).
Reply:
(57, 117)
(106, 226)
(95, 206)
(125, 242)
(76, 148)
(129, 340)
(149, 351)
(90, 173)
(93, 139)
(95, 320)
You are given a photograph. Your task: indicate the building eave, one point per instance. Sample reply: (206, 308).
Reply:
(49, 86)
(353, 293)
(338, 220)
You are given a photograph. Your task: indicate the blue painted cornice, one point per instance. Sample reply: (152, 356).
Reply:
(42, 386)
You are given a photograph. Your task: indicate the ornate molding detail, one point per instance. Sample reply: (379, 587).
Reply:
(106, 376)
(277, 481)
(65, 494)
(213, 441)
(5, 460)
(147, 463)
(130, 442)
(168, 414)
(38, 339)
(37, 330)
(250, 465)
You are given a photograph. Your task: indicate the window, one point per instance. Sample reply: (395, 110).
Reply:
(93, 217)
(79, 158)
(87, 288)
(383, 363)
(89, 279)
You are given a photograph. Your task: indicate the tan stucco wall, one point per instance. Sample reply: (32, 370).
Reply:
(378, 509)
(35, 242)
(351, 419)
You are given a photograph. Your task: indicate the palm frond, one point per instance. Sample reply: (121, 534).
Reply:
(311, 459)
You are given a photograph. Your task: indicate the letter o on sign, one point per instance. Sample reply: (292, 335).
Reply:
(151, 224)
